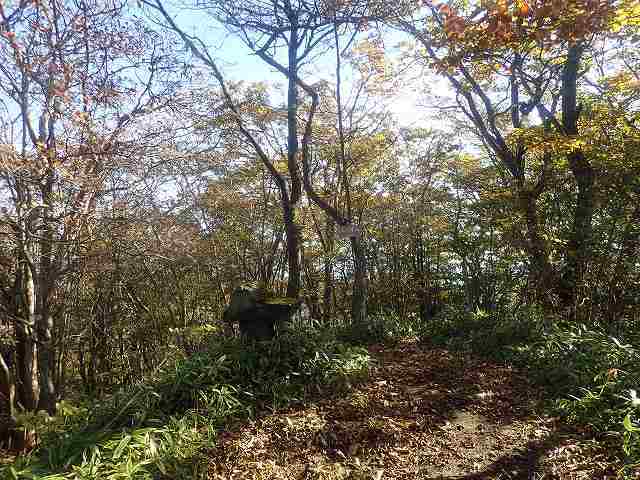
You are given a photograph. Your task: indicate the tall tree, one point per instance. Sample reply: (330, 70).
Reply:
(266, 28)
(66, 70)
(529, 58)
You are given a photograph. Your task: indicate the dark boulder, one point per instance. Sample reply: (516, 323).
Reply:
(257, 313)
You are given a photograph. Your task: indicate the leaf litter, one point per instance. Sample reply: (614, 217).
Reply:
(422, 414)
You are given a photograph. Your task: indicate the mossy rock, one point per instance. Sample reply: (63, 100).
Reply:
(257, 315)
(281, 301)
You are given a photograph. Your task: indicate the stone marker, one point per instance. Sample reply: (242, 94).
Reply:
(257, 313)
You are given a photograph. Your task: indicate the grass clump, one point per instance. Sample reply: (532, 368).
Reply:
(591, 375)
(162, 427)
(381, 327)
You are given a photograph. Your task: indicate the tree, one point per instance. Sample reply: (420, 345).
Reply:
(529, 57)
(302, 29)
(65, 71)
(265, 27)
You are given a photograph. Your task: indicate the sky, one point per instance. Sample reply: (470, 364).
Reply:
(238, 63)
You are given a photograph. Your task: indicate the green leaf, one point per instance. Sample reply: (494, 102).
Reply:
(628, 425)
(121, 446)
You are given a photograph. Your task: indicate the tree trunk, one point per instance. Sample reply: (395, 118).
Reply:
(543, 273)
(44, 319)
(26, 346)
(292, 114)
(9, 436)
(293, 250)
(7, 389)
(47, 400)
(359, 297)
(579, 248)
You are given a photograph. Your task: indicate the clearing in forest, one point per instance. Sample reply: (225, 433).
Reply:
(423, 414)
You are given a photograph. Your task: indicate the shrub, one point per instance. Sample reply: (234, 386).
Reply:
(484, 333)
(160, 427)
(387, 327)
(592, 375)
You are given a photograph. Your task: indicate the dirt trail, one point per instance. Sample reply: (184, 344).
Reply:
(423, 414)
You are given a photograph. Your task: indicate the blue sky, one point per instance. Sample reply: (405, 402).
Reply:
(238, 63)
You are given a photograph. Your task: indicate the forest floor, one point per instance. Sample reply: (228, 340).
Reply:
(422, 414)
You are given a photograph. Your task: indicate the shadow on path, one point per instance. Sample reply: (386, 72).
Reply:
(423, 414)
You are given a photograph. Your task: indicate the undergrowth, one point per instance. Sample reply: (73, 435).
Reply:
(382, 327)
(592, 376)
(163, 426)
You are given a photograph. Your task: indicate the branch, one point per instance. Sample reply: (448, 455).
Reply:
(202, 53)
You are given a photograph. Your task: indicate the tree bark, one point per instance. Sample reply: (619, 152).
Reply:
(579, 248)
(44, 319)
(26, 346)
(293, 250)
(7, 390)
(359, 296)
(9, 436)
(292, 114)
(544, 276)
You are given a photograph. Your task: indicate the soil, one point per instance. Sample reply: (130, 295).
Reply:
(423, 414)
